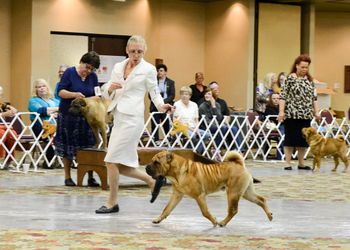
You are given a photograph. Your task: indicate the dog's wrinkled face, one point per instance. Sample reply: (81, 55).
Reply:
(309, 132)
(160, 164)
(76, 106)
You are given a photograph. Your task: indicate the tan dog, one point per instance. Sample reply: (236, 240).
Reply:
(179, 127)
(49, 129)
(95, 112)
(321, 147)
(197, 180)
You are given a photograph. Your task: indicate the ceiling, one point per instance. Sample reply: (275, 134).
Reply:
(321, 5)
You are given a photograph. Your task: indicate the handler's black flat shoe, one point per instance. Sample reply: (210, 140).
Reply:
(69, 182)
(288, 168)
(106, 210)
(93, 183)
(304, 168)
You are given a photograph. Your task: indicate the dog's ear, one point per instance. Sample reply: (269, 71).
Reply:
(82, 102)
(169, 157)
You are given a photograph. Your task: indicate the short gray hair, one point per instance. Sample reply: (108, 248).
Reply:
(137, 39)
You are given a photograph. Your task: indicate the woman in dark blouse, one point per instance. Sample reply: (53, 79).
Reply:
(298, 105)
(73, 132)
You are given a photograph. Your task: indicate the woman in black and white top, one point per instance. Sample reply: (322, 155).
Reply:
(298, 105)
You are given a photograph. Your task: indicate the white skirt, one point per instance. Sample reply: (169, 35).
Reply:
(124, 139)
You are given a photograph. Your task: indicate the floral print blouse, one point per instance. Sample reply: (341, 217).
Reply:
(299, 95)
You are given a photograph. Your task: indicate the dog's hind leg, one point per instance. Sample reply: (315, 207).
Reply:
(104, 137)
(175, 198)
(202, 203)
(336, 163)
(252, 196)
(346, 162)
(232, 209)
(96, 135)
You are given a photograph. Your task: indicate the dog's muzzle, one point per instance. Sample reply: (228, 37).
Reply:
(74, 110)
(150, 171)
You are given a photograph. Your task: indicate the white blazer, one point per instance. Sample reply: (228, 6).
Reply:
(130, 98)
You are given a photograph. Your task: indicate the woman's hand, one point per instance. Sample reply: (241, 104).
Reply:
(166, 108)
(317, 116)
(9, 113)
(114, 85)
(51, 110)
(281, 117)
(212, 102)
(78, 95)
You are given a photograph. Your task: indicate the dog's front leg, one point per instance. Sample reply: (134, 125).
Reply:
(202, 203)
(175, 198)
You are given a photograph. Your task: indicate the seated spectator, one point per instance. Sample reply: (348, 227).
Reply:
(45, 104)
(263, 91)
(214, 86)
(8, 140)
(272, 108)
(61, 70)
(187, 112)
(277, 86)
(210, 108)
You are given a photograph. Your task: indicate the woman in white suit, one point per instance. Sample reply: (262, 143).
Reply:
(130, 81)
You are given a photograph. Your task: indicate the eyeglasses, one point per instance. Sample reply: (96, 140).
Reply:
(140, 52)
(89, 67)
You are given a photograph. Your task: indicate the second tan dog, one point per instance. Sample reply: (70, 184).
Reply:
(321, 147)
(95, 112)
(197, 180)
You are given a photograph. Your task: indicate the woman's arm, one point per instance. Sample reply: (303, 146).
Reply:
(65, 94)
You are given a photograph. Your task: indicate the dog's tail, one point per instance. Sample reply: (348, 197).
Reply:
(235, 156)
(340, 138)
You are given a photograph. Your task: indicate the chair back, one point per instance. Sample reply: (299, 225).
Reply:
(325, 113)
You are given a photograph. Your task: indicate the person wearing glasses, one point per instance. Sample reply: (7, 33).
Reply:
(130, 80)
(73, 131)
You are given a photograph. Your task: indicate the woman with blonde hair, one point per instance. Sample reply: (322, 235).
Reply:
(46, 105)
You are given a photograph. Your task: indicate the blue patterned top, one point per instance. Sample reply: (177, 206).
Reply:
(71, 81)
(39, 105)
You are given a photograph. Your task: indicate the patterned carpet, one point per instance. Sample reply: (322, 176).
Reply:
(27, 239)
(310, 187)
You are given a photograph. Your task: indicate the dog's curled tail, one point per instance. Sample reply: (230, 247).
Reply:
(340, 138)
(235, 156)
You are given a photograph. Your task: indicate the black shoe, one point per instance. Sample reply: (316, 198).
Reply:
(304, 168)
(288, 168)
(105, 210)
(93, 183)
(69, 182)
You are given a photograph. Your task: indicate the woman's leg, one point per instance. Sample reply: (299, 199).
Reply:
(301, 153)
(113, 180)
(138, 174)
(288, 151)
(67, 163)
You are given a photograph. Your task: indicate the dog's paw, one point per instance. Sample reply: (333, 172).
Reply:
(222, 224)
(334, 169)
(270, 216)
(156, 221)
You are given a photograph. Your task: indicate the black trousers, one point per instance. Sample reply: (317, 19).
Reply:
(158, 118)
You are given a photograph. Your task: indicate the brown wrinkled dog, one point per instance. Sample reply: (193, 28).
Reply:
(197, 180)
(95, 113)
(321, 147)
